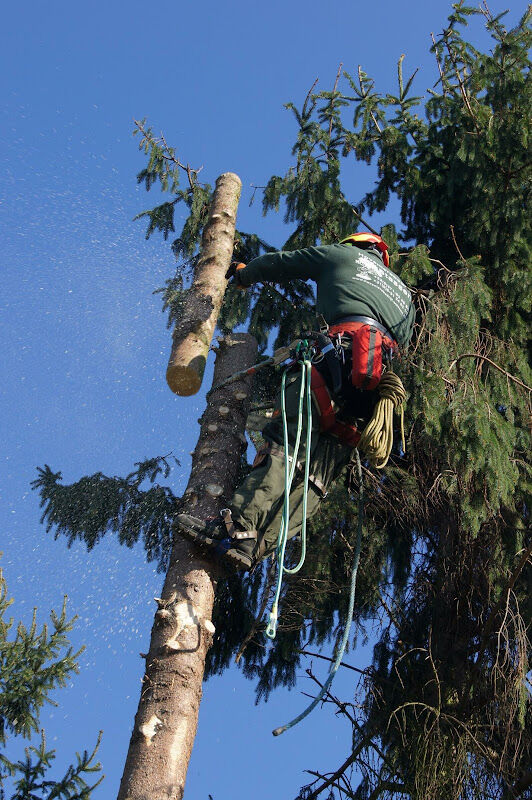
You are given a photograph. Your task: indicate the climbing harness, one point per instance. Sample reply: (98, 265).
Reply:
(372, 347)
(368, 341)
(340, 644)
(346, 433)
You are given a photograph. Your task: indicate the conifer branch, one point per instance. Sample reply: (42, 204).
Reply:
(331, 660)
(456, 363)
(461, 84)
(488, 627)
(260, 614)
(342, 707)
(363, 221)
(438, 62)
(169, 156)
(167, 152)
(456, 244)
(364, 95)
(309, 95)
(484, 9)
(339, 772)
(366, 742)
(387, 786)
(333, 91)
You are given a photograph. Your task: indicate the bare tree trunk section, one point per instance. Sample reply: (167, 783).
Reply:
(193, 333)
(167, 716)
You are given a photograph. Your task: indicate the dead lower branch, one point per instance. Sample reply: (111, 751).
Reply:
(331, 660)
(488, 627)
(456, 363)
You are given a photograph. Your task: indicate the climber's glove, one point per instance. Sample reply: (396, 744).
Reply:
(232, 272)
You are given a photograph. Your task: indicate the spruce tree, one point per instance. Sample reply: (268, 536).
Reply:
(443, 711)
(33, 664)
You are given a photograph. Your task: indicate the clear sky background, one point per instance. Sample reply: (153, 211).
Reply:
(84, 343)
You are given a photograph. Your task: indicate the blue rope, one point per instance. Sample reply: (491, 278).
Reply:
(345, 638)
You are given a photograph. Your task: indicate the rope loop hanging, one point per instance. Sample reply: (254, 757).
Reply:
(341, 645)
(376, 441)
(305, 398)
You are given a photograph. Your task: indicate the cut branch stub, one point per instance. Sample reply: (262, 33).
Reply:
(193, 333)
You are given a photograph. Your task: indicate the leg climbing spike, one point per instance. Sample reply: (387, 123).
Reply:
(222, 537)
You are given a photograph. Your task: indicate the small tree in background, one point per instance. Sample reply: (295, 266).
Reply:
(33, 664)
(443, 711)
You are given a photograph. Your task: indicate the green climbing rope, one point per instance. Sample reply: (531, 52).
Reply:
(339, 650)
(305, 398)
(290, 469)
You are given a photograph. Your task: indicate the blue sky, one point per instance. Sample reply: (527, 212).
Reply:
(84, 341)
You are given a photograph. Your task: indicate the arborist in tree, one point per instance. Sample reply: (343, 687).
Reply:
(369, 315)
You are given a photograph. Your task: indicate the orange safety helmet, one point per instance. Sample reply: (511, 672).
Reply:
(358, 239)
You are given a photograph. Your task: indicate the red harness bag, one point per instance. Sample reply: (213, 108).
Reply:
(348, 434)
(368, 342)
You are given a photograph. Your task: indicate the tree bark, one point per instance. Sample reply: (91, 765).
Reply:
(166, 720)
(193, 333)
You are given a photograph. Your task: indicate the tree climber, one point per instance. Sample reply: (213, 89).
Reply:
(369, 312)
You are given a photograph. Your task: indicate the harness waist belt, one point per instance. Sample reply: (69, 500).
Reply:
(365, 321)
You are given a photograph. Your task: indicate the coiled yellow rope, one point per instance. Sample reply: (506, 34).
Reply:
(377, 438)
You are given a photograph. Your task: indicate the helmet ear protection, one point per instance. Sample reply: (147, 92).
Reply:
(361, 239)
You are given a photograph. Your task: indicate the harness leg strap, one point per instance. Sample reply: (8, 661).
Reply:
(232, 531)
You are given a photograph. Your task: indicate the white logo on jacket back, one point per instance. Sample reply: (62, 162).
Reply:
(368, 269)
(384, 280)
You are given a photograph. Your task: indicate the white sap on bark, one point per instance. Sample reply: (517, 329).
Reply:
(166, 720)
(185, 614)
(150, 728)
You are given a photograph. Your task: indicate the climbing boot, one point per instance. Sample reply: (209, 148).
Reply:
(231, 543)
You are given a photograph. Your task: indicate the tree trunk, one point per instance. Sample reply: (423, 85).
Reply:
(166, 720)
(193, 333)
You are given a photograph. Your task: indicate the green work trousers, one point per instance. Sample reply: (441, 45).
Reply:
(257, 503)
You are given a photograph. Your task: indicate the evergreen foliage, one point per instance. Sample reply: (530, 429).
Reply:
(98, 504)
(33, 663)
(443, 712)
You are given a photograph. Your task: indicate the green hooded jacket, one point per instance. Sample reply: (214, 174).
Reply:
(349, 281)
